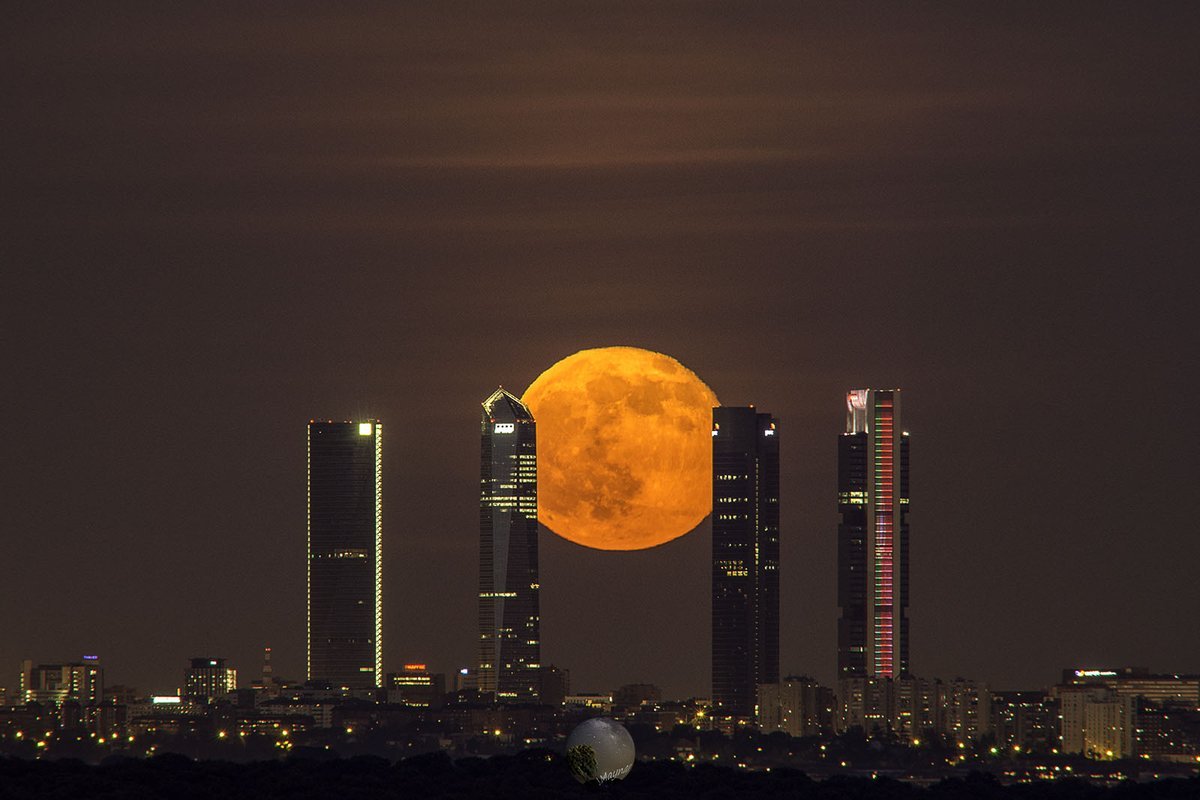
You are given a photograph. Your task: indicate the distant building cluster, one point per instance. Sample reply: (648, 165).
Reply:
(1105, 714)
(1101, 714)
(509, 698)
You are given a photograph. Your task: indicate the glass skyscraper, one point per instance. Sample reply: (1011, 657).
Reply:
(345, 550)
(509, 619)
(872, 586)
(745, 558)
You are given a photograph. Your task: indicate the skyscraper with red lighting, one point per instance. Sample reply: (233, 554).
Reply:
(873, 537)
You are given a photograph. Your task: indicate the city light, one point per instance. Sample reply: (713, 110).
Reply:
(1093, 713)
(586, 261)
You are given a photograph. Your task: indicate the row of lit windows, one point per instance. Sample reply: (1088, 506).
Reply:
(342, 554)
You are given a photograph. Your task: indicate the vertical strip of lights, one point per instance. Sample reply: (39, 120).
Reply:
(884, 456)
(378, 554)
(308, 553)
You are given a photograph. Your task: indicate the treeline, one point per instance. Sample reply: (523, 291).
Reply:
(530, 775)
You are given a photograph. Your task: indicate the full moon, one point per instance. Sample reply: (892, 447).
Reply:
(624, 448)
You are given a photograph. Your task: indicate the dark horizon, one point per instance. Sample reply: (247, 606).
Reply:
(221, 223)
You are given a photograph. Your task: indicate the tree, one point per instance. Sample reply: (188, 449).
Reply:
(582, 760)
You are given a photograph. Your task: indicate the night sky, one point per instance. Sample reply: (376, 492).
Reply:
(218, 222)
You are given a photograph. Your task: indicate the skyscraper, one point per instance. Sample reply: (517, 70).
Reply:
(873, 537)
(745, 561)
(509, 620)
(344, 553)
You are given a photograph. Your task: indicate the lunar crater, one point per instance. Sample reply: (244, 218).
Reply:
(624, 451)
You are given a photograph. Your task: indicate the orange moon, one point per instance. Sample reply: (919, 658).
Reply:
(624, 448)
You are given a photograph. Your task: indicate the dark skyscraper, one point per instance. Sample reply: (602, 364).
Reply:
(745, 562)
(344, 553)
(509, 620)
(873, 537)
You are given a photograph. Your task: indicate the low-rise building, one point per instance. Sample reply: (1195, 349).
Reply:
(1025, 722)
(1096, 721)
(81, 681)
(589, 701)
(208, 679)
(968, 711)
(866, 704)
(799, 706)
(416, 686)
(909, 708)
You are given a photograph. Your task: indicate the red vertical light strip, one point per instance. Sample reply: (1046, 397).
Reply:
(884, 455)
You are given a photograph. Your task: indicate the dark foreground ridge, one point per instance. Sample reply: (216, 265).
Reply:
(530, 775)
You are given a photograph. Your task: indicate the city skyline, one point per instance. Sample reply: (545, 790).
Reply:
(873, 481)
(220, 225)
(860, 407)
(855, 426)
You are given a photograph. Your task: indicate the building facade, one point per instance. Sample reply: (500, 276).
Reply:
(1166, 689)
(1166, 731)
(345, 551)
(745, 558)
(1128, 711)
(1025, 722)
(55, 684)
(866, 704)
(416, 686)
(509, 611)
(798, 706)
(555, 685)
(919, 707)
(1096, 721)
(873, 537)
(912, 709)
(207, 679)
(968, 711)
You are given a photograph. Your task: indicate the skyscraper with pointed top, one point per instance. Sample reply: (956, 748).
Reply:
(509, 618)
(745, 557)
(873, 498)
